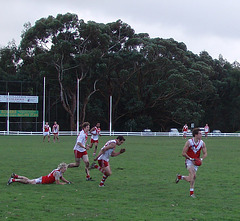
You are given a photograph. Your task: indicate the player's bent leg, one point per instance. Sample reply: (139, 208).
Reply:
(86, 161)
(22, 177)
(95, 149)
(107, 171)
(24, 180)
(76, 164)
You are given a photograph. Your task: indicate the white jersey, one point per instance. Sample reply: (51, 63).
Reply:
(106, 155)
(95, 133)
(82, 138)
(55, 128)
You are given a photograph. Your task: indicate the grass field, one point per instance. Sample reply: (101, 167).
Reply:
(141, 187)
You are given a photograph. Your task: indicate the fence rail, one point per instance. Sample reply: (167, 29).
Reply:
(107, 133)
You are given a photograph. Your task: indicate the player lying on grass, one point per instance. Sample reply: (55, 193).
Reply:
(103, 157)
(55, 175)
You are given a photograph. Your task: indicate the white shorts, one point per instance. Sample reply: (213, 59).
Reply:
(189, 163)
(46, 133)
(38, 180)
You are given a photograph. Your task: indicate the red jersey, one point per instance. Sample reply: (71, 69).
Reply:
(46, 128)
(185, 128)
(194, 149)
(50, 178)
(95, 133)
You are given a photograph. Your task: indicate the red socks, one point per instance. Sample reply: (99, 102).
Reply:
(99, 168)
(191, 191)
(103, 180)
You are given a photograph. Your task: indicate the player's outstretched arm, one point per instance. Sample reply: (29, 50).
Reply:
(59, 183)
(66, 181)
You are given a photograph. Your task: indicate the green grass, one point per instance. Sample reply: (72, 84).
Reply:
(141, 187)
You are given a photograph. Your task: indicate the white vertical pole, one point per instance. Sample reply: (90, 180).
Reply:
(44, 93)
(8, 116)
(78, 80)
(110, 120)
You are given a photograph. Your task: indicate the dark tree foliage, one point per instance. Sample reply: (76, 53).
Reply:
(155, 83)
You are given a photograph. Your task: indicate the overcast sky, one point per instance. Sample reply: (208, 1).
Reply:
(210, 25)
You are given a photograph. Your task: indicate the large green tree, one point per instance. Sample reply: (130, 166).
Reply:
(155, 83)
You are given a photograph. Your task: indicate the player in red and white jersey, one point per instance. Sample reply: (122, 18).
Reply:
(107, 151)
(80, 149)
(95, 132)
(191, 151)
(55, 176)
(185, 130)
(46, 131)
(206, 130)
(55, 131)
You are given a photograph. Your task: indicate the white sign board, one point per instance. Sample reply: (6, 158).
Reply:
(19, 99)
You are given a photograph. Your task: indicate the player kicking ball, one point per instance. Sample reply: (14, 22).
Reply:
(103, 157)
(55, 176)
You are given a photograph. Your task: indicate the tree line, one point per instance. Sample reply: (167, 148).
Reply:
(154, 82)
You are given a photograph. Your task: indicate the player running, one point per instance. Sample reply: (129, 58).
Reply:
(103, 157)
(55, 176)
(80, 150)
(95, 131)
(192, 151)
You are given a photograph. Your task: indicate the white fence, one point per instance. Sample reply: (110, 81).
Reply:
(107, 133)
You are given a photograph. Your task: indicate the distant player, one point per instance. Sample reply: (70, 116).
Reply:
(46, 132)
(206, 130)
(185, 130)
(55, 131)
(191, 151)
(95, 131)
(55, 176)
(103, 157)
(80, 150)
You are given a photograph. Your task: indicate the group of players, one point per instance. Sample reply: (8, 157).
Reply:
(80, 152)
(191, 152)
(185, 130)
(47, 131)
